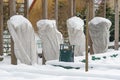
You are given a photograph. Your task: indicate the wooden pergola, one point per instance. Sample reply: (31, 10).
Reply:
(72, 13)
(45, 9)
(72, 5)
(12, 11)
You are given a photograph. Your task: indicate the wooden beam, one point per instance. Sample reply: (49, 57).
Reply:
(43, 58)
(44, 9)
(91, 10)
(71, 7)
(91, 15)
(26, 9)
(74, 7)
(12, 9)
(105, 8)
(87, 33)
(45, 16)
(32, 5)
(56, 12)
(102, 9)
(116, 25)
(1, 27)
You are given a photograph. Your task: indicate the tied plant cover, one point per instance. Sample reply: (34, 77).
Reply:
(50, 37)
(23, 36)
(76, 34)
(99, 33)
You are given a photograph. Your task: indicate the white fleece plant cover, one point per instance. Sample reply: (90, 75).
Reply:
(23, 36)
(51, 38)
(76, 35)
(99, 32)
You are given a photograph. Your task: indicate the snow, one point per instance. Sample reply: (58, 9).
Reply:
(102, 66)
(76, 23)
(30, 2)
(19, 19)
(104, 69)
(97, 1)
(97, 20)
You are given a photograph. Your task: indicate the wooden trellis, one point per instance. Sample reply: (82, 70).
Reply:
(45, 12)
(72, 10)
(12, 11)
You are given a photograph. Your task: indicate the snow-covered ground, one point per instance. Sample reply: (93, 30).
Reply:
(104, 66)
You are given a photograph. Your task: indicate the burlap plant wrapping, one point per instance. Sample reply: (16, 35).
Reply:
(99, 32)
(76, 35)
(51, 38)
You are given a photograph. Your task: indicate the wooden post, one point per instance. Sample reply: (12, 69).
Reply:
(12, 9)
(26, 11)
(105, 8)
(87, 33)
(56, 11)
(102, 9)
(45, 16)
(44, 9)
(91, 14)
(1, 27)
(70, 8)
(91, 10)
(74, 7)
(116, 25)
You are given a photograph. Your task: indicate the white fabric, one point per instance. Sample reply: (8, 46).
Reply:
(23, 36)
(76, 35)
(99, 32)
(51, 38)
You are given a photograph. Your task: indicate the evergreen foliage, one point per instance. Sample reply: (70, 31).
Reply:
(110, 14)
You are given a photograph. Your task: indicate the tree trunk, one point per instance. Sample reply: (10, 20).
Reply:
(26, 12)
(70, 8)
(74, 7)
(45, 16)
(87, 34)
(1, 27)
(12, 8)
(102, 9)
(91, 12)
(116, 25)
(44, 9)
(56, 12)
